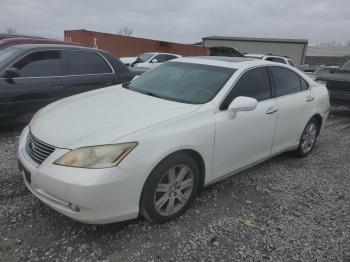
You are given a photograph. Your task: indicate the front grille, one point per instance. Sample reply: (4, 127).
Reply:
(38, 150)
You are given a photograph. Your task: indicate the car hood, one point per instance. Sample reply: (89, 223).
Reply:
(343, 77)
(102, 116)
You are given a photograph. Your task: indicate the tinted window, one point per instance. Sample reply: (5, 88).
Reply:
(304, 84)
(183, 82)
(255, 83)
(84, 63)
(43, 63)
(161, 58)
(170, 57)
(276, 59)
(7, 54)
(286, 81)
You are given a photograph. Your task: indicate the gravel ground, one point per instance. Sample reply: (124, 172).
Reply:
(285, 209)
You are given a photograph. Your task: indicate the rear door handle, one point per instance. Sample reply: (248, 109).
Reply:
(309, 98)
(271, 110)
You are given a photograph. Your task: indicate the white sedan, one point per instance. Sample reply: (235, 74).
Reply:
(152, 60)
(147, 147)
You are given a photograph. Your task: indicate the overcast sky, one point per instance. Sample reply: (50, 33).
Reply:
(183, 21)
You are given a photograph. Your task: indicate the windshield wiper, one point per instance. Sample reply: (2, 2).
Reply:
(152, 94)
(126, 85)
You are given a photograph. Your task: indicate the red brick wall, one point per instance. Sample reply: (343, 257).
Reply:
(122, 46)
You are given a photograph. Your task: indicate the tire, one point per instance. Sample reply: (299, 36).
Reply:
(170, 188)
(308, 138)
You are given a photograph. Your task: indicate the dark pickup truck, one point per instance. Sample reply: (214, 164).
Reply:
(338, 85)
(34, 75)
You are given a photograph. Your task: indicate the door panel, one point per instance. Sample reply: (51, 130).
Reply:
(248, 137)
(34, 87)
(244, 139)
(25, 95)
(295, 103)
(294, 112)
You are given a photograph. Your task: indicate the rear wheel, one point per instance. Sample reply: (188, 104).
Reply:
(170, 188)
(308, 138)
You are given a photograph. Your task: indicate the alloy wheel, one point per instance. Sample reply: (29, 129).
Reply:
(309, 137)
(173, 190)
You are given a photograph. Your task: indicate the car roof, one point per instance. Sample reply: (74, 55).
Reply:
(264, 55)
(26, 47)
(160, 53)
(230, 62)
(19, 41)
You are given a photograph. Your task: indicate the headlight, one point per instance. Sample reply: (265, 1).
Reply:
(96, 156)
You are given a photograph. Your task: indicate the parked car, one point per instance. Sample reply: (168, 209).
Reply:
(20, 41)
(149, 146)
(272, 58)
(128, 60)
(32, 76)
(338, 84)
(309, 68)
(151, 60)
(8, 36)
(224, 51)
(323, 70)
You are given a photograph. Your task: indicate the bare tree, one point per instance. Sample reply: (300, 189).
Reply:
(125, 31)
(11, 31)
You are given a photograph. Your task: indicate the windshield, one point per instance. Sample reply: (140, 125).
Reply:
(183, 82)
(144, 57)
(6, 55)
(346, 66)
(322, 71)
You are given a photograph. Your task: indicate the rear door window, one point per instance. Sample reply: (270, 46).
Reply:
(169, 57)
(254, 83)
(87, 63)
(285, 81)
(161, 58)
(40, 64)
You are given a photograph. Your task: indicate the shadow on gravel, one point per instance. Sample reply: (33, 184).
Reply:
(11, 127)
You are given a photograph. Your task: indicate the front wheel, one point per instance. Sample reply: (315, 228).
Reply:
(308, 138)
(170, 188)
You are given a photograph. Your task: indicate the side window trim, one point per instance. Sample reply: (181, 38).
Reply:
(238, 78)
(29, 53)
(105, 59)
(62, 51)
(273, 85)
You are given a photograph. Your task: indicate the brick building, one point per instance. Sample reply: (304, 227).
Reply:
(124, 46)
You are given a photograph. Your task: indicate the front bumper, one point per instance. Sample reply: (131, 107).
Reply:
(94, 196)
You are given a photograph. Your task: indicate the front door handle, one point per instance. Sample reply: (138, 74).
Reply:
(271, 110)
(309, 98)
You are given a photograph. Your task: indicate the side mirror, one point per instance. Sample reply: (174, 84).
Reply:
(155, 60)
(11, 73)
(242, 103)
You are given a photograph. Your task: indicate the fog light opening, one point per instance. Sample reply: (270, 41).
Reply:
(74, 207)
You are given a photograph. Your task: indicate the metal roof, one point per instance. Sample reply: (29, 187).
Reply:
(253, 39)
(333, 51)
